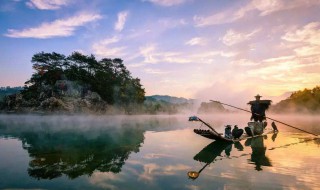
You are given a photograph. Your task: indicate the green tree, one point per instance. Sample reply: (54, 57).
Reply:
(307, 100)
(108, 77)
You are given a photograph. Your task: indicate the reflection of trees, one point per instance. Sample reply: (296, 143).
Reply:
(75, 152)
(79, 145)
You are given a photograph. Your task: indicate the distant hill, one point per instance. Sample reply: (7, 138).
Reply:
(164, 104)
(302, 101)
(211, 107)
(277, 99)
(169, 99)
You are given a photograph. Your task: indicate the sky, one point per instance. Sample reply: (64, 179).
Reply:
(226, 50)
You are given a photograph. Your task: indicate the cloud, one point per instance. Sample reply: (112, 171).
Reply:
(47, 4)
(152, 170)
(166, 3)
(268, 7)
(196, 41)
(263, 8)
(152, 55)
(105, 179)
(216, 19)
(227, 16)
(148, 53)
(155, 71)
(149, 170)
(104, 47)
(112, 40)
(122, 17)
(285, 73)
(57, 28)
(171, 23)
(289, 66)
(307, 51)
(271, 6)
(309, 34)
(244, 62)
(307, 38)
(206, 55)
(279, 59)
(156, 156)
(231, 37)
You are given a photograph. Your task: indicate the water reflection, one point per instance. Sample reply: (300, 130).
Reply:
(76, 151)
(258, 155)
(73, 154)
(208, 155)
(212, 153)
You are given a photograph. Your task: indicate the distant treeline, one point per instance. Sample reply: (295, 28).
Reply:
(302, 101)
(5, 91)
(163, 104)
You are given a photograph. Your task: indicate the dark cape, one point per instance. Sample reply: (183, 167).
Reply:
(258, 109)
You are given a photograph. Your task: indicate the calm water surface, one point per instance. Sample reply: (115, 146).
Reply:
(153, 152)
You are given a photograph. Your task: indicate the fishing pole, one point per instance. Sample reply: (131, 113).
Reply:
(265, 116)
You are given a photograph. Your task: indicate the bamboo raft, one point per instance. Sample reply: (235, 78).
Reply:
(214, 135)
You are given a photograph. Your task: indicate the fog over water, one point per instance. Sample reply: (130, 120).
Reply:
(154, 122)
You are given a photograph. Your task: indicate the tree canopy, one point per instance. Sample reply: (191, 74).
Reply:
(307, 100)
(107, 77)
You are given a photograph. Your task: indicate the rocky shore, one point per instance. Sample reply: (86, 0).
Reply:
(90, 103)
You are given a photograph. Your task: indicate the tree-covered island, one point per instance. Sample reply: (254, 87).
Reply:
(76, 83)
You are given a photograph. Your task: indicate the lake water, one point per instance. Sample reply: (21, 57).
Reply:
(153, 152)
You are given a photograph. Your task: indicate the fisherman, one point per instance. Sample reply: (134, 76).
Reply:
(258, 108)
(227, 132)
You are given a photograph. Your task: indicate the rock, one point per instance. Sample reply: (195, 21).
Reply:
(93, 97)
(70, 102)
(53, 104)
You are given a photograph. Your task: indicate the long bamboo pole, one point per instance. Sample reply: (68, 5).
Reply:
(266, 117)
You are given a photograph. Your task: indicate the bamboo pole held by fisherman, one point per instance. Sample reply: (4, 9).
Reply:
(266, 117)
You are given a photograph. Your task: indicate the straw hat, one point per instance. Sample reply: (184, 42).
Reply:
(258, 96)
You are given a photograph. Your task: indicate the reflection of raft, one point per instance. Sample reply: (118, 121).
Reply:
(213, 134)
(209, 153)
